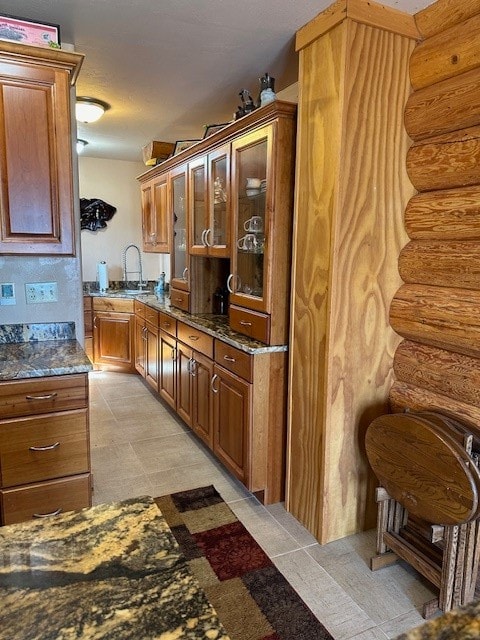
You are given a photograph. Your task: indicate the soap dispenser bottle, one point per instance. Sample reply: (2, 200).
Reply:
(160, 286)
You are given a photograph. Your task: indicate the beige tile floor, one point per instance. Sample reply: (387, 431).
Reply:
(139, 447)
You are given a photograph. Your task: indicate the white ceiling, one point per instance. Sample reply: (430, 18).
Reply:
(169, 67)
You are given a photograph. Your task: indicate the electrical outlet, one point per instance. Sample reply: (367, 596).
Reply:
(37, 292)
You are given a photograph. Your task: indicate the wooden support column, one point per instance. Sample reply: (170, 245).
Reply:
(351, 192)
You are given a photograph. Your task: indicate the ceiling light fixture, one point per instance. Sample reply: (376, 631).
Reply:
(81, 144)
(89, 109)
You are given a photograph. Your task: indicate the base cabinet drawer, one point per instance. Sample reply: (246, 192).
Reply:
(44, 447)
(168, 324)
(45, 499)
(234, 360)
(251, 323)
(195, 339)
(180, 299)
(43, 395)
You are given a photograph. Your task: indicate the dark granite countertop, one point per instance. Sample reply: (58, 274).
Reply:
(459, 624)
(110, 571)
(216, 326)
(42, 358)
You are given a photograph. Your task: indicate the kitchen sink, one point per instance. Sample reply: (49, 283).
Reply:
(127, 292)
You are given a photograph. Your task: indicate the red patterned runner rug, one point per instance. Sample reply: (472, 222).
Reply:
(253, 599)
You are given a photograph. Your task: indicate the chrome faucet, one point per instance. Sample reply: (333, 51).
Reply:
(139, 272)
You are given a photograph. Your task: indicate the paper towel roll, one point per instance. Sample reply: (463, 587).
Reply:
(102, 276)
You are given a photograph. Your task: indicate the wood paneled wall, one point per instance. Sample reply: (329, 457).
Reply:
(351, 193)
(437, 310)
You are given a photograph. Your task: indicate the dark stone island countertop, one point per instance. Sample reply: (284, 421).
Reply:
(458, 624)
(36, 350)
(111, 571)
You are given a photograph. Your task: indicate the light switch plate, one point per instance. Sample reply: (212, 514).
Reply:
(37, 292)
(7, 293)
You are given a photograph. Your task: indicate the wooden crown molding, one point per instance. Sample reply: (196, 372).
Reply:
(69, 60)
(363, 11)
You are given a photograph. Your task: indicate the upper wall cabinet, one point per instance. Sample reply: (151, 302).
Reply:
(36, 175)
(238, 195)
(155, 227)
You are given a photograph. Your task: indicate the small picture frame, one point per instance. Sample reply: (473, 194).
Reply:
(210, 129)
(23, 31)
(181, 145)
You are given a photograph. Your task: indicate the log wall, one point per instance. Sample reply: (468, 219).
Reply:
(437, 310)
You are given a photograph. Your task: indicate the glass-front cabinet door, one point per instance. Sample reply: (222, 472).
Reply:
(252, 205)
(209, 204)
(217, 236)
(197, 180)
(179, 256)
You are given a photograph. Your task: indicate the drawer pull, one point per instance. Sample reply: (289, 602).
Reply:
(245, 323)
(48, 447)
(178, 299)
(229, 359)
(167, 324)
(48, 515)
(194, 338)
(48, 396)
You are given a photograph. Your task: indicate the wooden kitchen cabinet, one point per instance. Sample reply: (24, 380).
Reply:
(214, 205)
(139, 340)
(194, 361)
(231, 422)
(167, 383)
(44, 447)
(147, 343)
(234, 401)
(259, 282)
(36, 172)
(184, 395)
(156, 227)
(202, 398)
(113, 334)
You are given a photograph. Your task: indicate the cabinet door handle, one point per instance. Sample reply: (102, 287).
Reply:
(47, 515)
(194, 338)
(185, 274)
(95, 322)
(212, 383)
(48, 396)
(245, 323)
(229, 359)
(202, 241)
(48, 447)
(207, 243)
(238, 283)
(193, 364)
(174, 353)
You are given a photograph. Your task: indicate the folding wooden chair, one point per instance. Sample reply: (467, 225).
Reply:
(428, 504)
